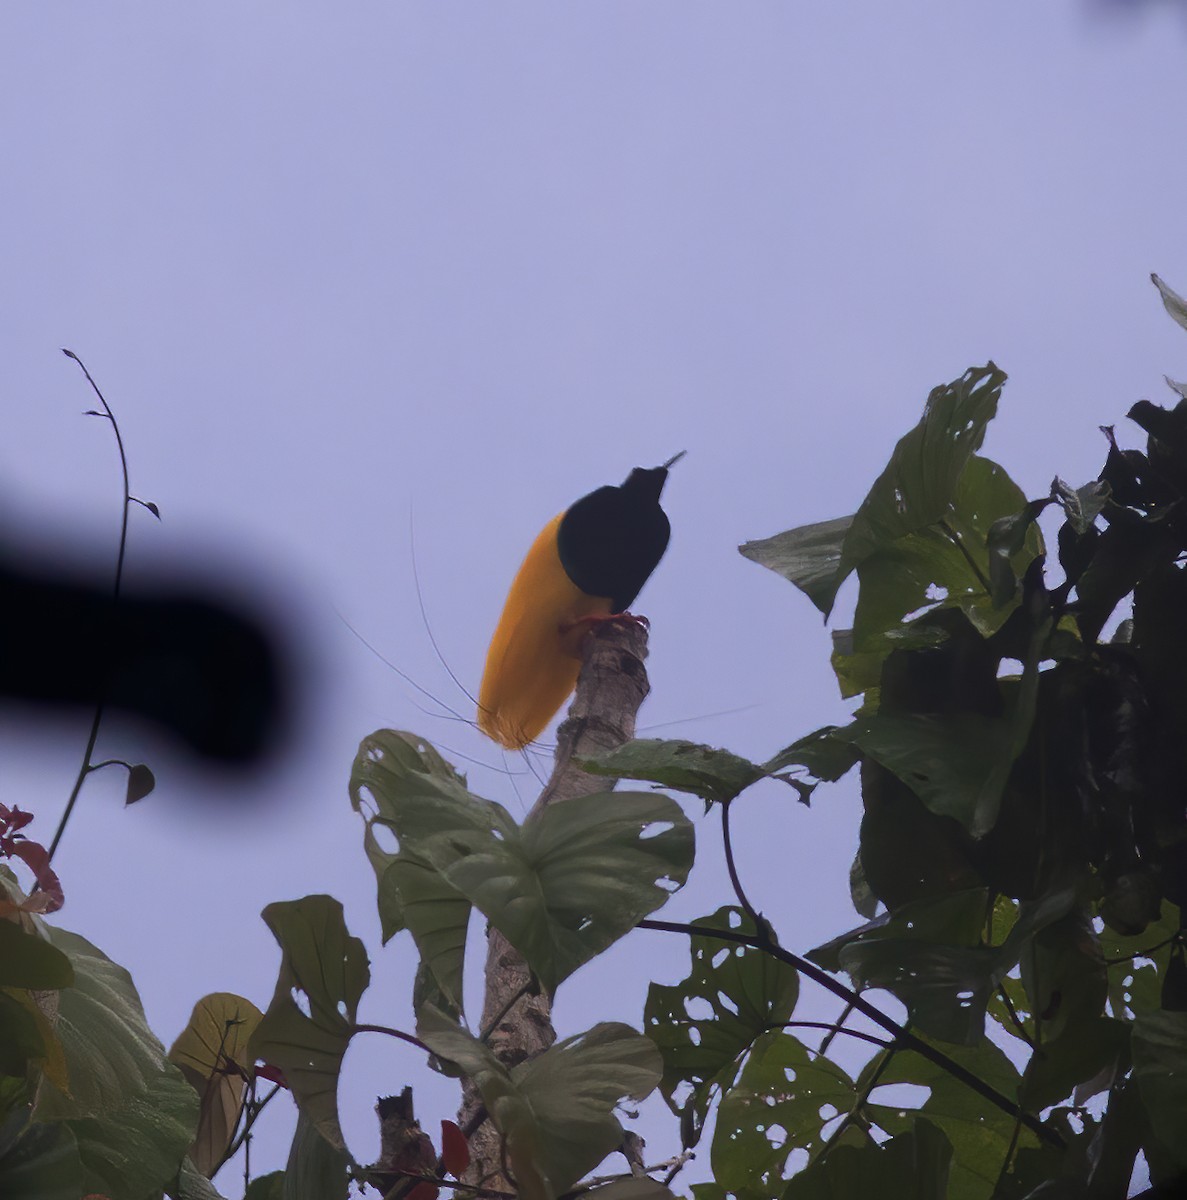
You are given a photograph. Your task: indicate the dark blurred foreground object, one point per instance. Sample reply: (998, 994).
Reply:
(206, 673)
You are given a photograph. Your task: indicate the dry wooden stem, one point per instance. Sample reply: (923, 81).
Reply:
(612, 685)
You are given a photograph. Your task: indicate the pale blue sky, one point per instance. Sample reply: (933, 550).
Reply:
(342, 266)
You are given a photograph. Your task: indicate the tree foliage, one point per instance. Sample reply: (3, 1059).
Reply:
(1020, 675)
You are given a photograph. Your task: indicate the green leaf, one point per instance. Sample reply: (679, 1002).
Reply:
(916, 490)
(714, 775)
(1071, 1061)
(555, 1111)
(267, 1187)
(138, 1149)
(574, 879)
(1137, 965)
(130, 1111)
(980, 1133)
(29, 961)
(315, 1169)
(919, 485)
(917, 1161)
(395, 777)
(808, 556)
(781, 1102)
(39, 1161)
(584, 872)
(956, 763)
(703, 1025)
(1159, 1045)
(212, 1053)
(191, 1184)
(573, 1088)
(1063, 971)
(946, 565)
(1172, 301)
(925, 953)
(825, 754)
(323, 962)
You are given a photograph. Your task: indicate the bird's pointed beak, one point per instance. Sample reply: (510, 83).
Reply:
(673, 460)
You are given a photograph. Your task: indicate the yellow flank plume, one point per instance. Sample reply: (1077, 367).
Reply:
(535, 654)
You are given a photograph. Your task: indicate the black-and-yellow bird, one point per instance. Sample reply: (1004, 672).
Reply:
(588, 563)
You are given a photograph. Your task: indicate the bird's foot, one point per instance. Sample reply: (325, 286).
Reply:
(594, 619)
(573, 633)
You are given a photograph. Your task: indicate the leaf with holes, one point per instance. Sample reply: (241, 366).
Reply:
(918, 1162)
(704, 1024)
(328, 969)
(212, 1053)
(781, 1103)
(714, 775)
(1137, 964)
(414, 793)
(981, 1133)
(556, 1111)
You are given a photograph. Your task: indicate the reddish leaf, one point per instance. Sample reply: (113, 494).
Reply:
(33, 855)
(272, 1074)
(424, 1191)
(455, 1151)
(14, 818)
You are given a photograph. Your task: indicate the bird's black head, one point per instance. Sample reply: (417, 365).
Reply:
(648, 482)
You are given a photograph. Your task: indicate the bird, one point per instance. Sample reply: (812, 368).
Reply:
(586, 565)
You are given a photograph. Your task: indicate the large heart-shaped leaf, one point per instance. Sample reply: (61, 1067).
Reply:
(328, 969)
(573, 880)
(555, 1111)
